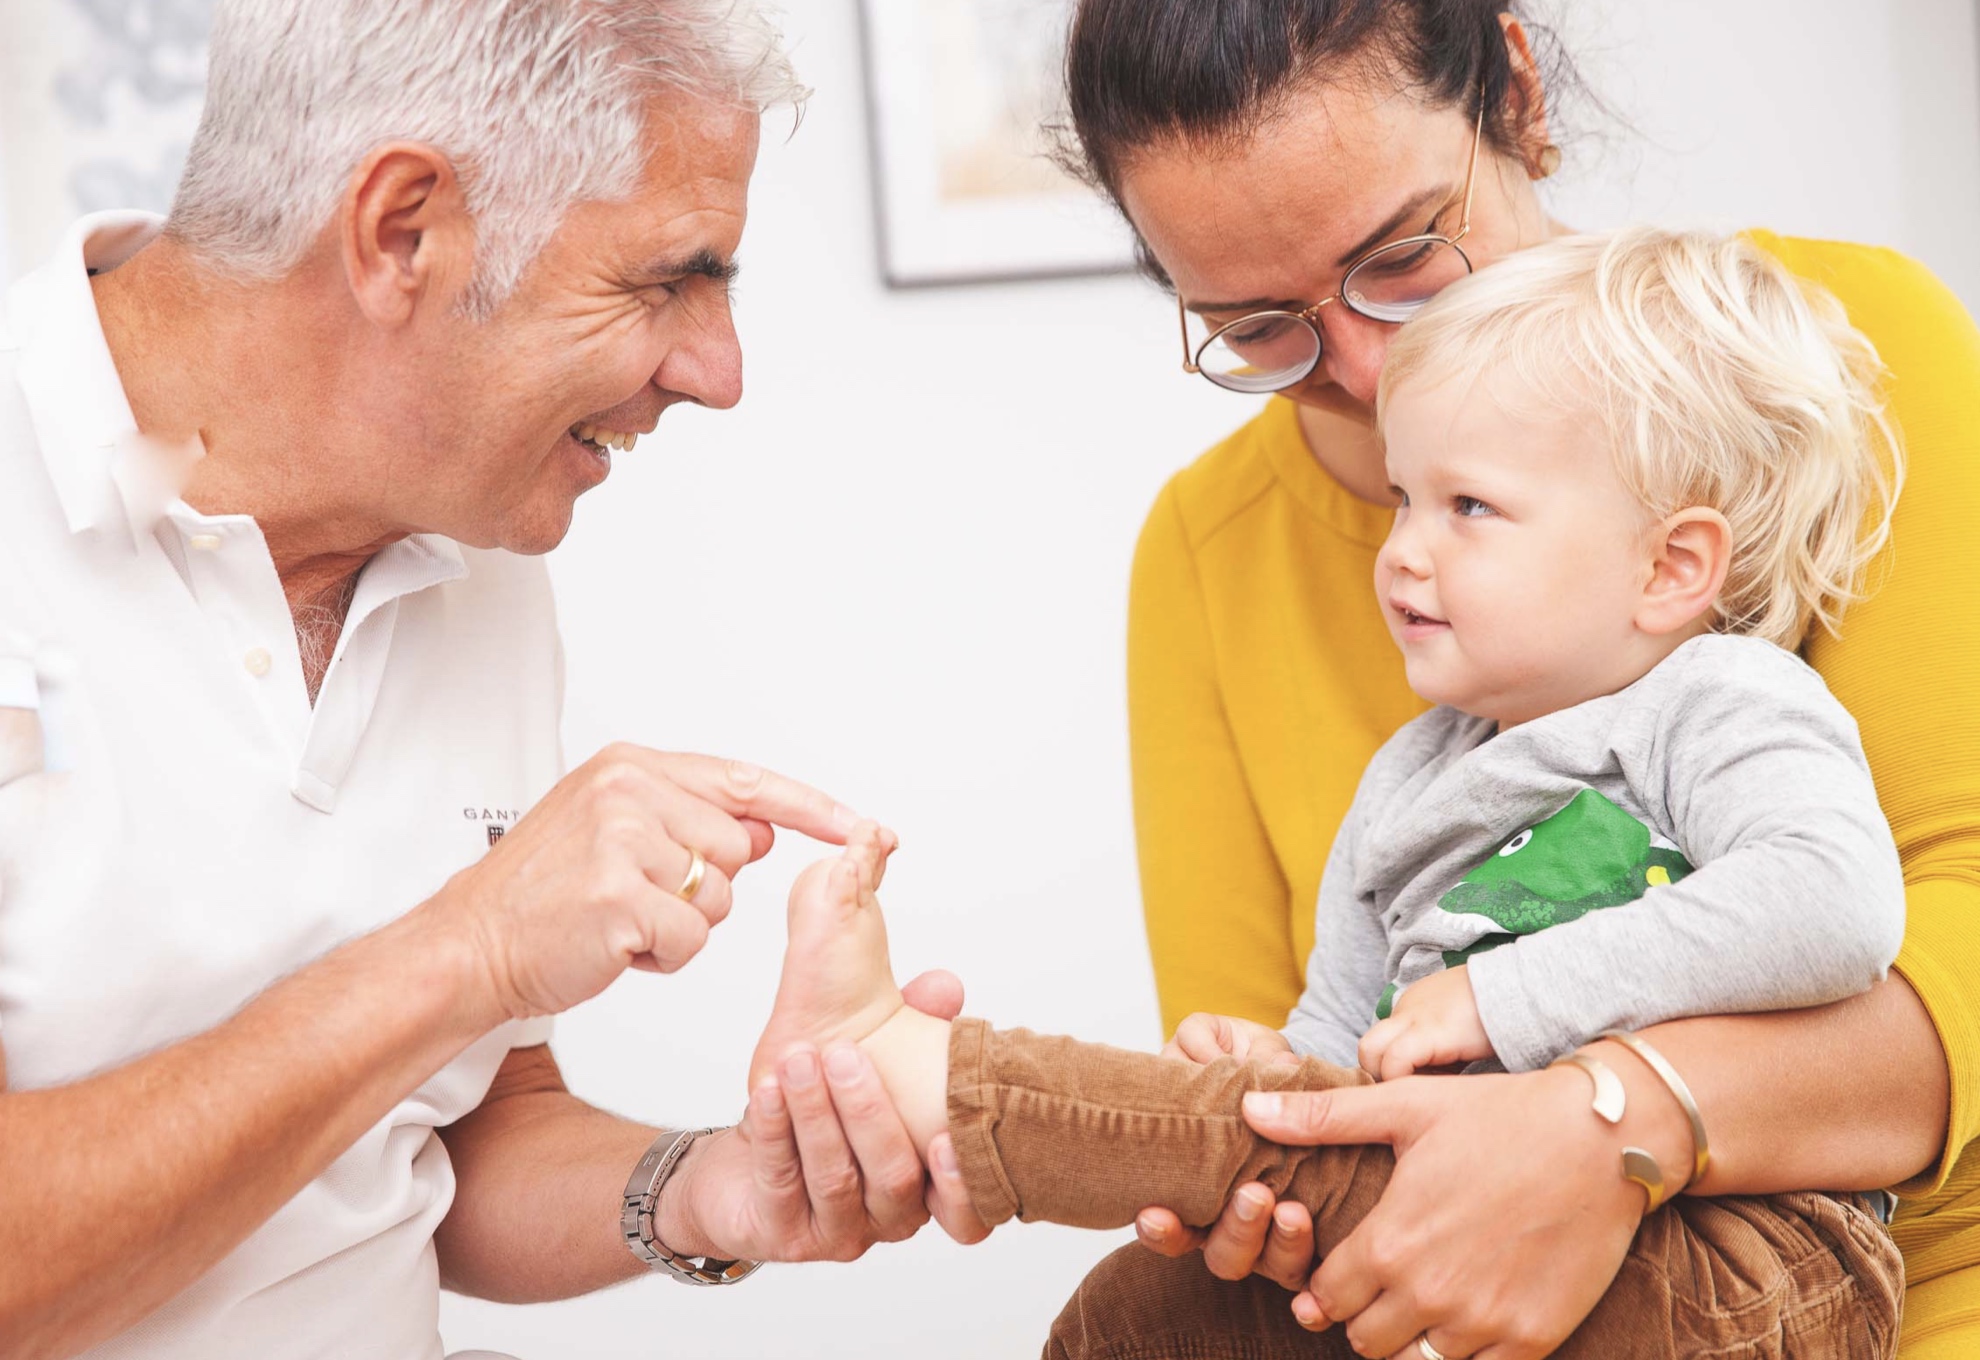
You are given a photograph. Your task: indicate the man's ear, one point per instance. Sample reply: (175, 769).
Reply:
(1690, 553)
(407, 236)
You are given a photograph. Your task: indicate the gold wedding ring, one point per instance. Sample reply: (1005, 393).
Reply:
(1430, 1352)
(697, 870)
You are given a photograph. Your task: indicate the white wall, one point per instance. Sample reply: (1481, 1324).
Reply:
(1814, 117)
(899, 571)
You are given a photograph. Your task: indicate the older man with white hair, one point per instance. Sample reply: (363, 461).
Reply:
(291, 875)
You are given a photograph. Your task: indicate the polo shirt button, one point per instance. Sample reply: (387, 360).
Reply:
(257, 661)
(205, 542)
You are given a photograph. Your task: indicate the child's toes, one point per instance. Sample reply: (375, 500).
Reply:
(844, 886)
(889, 843)
(866, 851)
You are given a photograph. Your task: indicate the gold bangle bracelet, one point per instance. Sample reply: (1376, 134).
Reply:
(1610, 1097)
(1609, 1104)
(1701, 1148)
(1641, 1167)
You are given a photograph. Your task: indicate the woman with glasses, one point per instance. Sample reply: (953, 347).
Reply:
(1305, 174)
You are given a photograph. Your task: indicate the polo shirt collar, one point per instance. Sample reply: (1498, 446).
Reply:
(110, 479)
(103, 473)
(103, 470)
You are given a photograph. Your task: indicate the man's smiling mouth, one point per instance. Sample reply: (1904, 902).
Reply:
(601, 439)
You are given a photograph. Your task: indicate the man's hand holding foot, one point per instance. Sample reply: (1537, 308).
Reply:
(838, 1010)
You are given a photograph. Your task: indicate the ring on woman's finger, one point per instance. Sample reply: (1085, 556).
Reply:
(697, 871)
(1430, 1352)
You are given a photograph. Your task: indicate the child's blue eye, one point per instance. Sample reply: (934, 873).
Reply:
(1470, 507)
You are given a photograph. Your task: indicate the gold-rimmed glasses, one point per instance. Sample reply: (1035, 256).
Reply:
(1272, 350)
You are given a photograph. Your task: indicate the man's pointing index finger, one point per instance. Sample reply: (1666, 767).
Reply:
(744, 790)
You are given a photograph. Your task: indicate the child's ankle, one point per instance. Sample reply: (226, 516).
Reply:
(910, 1050)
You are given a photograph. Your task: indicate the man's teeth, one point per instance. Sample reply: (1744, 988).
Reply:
(622, 440)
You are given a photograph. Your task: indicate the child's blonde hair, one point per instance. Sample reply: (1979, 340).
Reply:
(1723, 381)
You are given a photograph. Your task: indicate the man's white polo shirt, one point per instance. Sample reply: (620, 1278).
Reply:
(201, 830)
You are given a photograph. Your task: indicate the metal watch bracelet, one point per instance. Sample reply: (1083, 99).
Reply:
(636, 1215)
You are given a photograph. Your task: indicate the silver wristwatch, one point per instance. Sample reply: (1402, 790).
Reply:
(636, 1215)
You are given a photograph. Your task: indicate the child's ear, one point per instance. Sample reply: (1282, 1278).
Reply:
(1690, 553)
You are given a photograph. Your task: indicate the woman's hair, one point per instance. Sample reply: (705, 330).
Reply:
(1147, 73)
(540, 104)
(1722, 381)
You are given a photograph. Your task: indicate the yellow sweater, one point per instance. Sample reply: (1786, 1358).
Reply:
(1262, 678)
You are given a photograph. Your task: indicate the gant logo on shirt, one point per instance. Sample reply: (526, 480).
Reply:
(497, 820)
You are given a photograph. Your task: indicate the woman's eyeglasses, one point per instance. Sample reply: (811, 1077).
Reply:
(1270, 351)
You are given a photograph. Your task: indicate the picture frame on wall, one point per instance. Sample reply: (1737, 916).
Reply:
(962, 95)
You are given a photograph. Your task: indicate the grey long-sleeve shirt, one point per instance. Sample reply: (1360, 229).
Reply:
(1706, 841)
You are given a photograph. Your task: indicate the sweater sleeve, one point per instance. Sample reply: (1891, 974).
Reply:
(1797, 898)
(1216, 901)
(1907, 663)
(1348, 968)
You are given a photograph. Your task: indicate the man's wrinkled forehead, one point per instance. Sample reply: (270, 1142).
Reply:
(693, 192)
(684, 217)
(690, 139)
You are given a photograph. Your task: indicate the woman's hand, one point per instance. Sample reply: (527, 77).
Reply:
(1507, 1217)
(1251, 1238)
(1241, 1244)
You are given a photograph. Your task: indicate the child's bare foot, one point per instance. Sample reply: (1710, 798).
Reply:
(838, 985)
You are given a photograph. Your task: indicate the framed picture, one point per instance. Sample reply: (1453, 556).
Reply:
(962, 97)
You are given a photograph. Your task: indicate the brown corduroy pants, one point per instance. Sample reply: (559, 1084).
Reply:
(1050, 1129)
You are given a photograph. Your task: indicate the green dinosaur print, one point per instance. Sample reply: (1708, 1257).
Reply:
(1589, 855)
